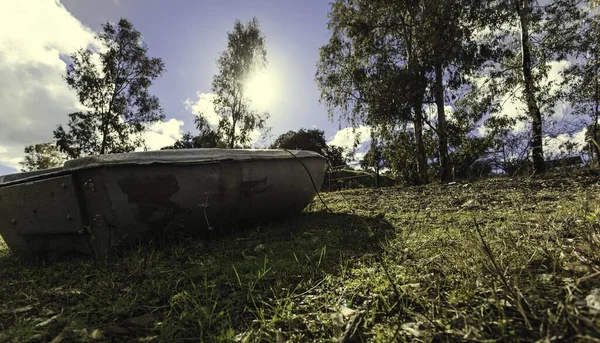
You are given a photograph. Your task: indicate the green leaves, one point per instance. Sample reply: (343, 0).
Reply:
(113, 86)
(245, 55)
(312, 140)
(41, 156)
(378, 67)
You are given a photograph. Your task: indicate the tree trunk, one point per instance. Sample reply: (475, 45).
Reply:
(594, 135)
(232, 140)
(445, 175)
(235, 115)
(532, 107)
(377, 161)
(104, 134)
(421, 156)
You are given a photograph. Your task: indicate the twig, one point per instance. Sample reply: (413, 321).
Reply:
(352, 327)
(204, 206)
(587, 277)
(310, 289)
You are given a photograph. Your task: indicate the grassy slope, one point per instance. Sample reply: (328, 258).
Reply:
(502, 259)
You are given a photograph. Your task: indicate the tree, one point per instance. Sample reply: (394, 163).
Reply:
(115, 92)
(335, 156)
(545, 34)
(207, 137)
(312, 140)
(41, 156)
(451, 54)
(371, 71)
(398, 151)
(387, 60)
(582, 80)
(244, 56)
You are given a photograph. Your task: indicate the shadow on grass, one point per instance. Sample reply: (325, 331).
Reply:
(206, 289)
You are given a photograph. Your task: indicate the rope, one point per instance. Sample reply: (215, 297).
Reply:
(311, 180)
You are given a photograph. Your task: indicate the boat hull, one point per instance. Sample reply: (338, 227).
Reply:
(92, 208)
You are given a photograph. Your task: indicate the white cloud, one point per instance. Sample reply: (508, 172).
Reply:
(162, 134)
(552, 145)
(554, 78)
(431, 113)
(7, 160)
(203, 106)
(346, 137)
(359, 156)
(255, 135)
(34, 98)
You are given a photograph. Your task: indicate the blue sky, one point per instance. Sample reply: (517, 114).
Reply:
(187, 35)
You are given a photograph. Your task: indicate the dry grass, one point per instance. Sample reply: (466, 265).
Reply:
(493, 260)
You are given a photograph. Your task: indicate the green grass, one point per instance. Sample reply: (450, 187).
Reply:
(492, 260)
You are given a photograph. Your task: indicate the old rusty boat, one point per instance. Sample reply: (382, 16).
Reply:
(95, 203)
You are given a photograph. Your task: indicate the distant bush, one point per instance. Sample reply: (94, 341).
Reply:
(352, 179)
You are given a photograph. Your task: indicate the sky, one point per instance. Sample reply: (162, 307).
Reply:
(36, 35)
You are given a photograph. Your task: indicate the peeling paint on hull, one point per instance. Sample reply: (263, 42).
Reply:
(108, 201)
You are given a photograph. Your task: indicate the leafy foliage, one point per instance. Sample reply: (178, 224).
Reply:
(42, 156)
(373, 159)
(388, 64)
(364, 72)
(112, 85)
(312, 140)
(582, 81)
(244, 56)
(385, 61)
(520, 70)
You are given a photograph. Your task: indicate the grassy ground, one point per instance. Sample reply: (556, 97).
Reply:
(494, 260)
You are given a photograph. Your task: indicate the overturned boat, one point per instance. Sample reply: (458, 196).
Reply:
(94, 203)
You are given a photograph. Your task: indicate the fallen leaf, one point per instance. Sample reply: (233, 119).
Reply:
(47, 321)
(348, 312)
(96, 334)
(260, 248)
(593, 300)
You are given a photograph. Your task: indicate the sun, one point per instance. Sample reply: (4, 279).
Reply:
(261, 90)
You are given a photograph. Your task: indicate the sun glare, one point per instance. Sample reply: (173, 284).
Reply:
(261, 90)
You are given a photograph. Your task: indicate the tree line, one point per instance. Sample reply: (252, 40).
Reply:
(432, 79)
